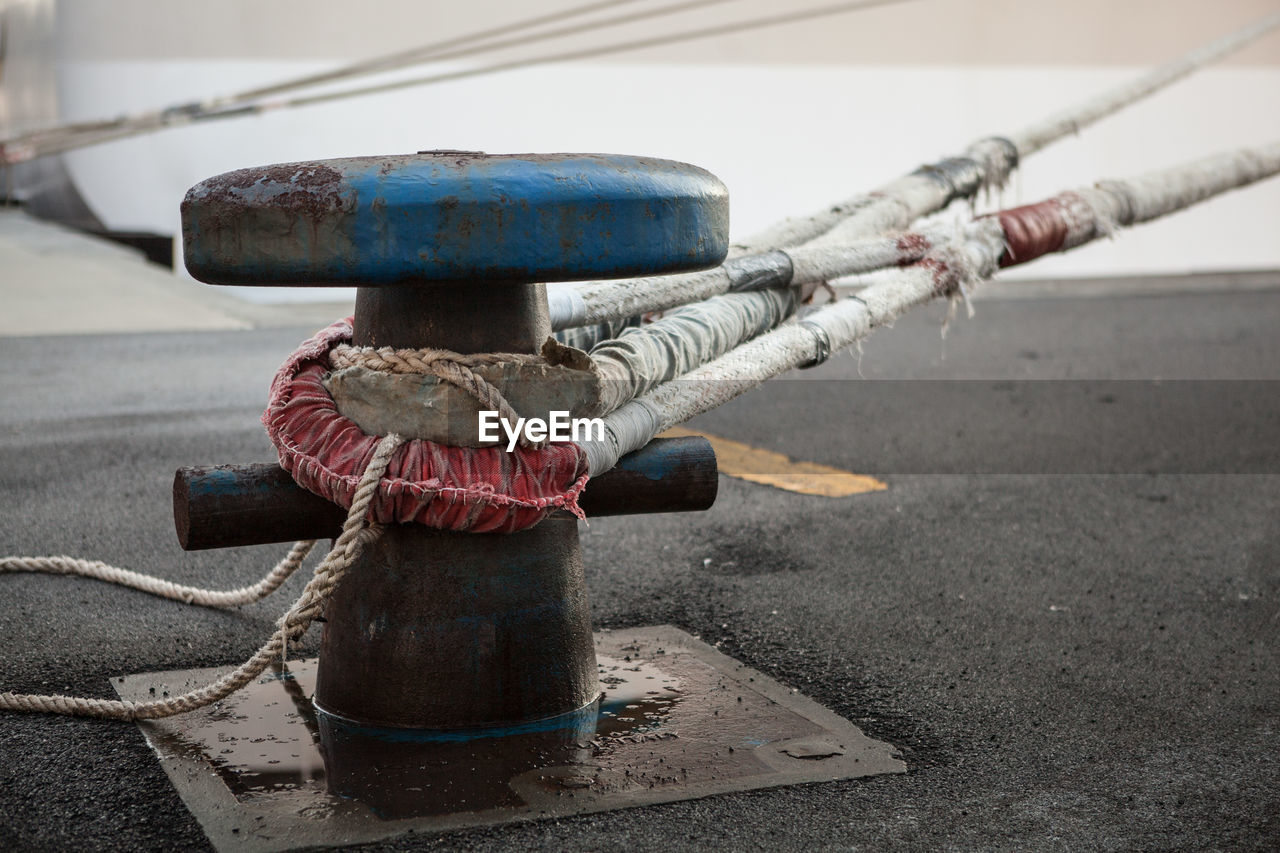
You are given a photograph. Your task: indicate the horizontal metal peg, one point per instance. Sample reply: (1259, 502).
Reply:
(225, 506)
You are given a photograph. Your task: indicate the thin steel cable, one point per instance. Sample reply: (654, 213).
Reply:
(371, 66)
(68, 137)
(43, 143)
(437, 50)
(603, 50)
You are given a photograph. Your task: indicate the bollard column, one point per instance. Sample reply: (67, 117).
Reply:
(461, 629)
(437, 629)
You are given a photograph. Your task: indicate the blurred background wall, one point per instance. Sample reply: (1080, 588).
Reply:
(791, 117)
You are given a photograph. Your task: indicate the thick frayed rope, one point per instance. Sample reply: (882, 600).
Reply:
(642, 358)
(160, 587)
(356, 533)
(949, 270)
(1040, 134)
(932, 187)
(1071, 219)
(794, 273)
(986, 164)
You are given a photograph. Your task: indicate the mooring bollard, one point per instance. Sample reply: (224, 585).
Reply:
(448, 629)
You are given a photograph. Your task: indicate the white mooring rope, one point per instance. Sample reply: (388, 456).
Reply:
(947, 270)
(160, 587)
(985, 163)
(356, 533)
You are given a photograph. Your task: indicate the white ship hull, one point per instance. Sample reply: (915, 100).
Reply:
(786, 138)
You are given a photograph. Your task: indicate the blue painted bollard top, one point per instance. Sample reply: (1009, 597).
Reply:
(454, 216)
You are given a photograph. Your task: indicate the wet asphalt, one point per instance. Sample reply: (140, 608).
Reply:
(1070, 631)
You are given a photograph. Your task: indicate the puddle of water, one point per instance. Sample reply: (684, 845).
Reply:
(260, 742)
(268, 740)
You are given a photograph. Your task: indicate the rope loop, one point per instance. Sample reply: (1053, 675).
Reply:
(474, 489)
(445, 365)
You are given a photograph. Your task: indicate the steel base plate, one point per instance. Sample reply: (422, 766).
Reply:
(677, 720)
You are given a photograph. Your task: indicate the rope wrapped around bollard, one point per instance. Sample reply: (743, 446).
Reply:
(472, 489)
(378, 479)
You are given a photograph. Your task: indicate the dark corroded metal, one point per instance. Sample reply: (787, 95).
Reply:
(758, 272)
(453, 318)
(227, 506)
(454, 216)
(460, 630)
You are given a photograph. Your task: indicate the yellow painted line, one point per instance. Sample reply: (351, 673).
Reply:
(756, 465)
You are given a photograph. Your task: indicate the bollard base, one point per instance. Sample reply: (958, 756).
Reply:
(460, 629)
(678, 720)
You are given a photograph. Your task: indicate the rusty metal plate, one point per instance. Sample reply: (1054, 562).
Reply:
(677, 720)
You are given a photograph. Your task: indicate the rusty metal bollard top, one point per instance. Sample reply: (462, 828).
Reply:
(454, 216)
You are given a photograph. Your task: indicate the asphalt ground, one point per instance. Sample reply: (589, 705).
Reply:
(1073, 642)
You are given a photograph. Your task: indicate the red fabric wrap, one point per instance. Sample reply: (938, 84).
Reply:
(1032, 231)
(476, 489)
